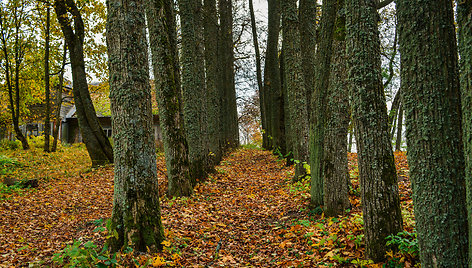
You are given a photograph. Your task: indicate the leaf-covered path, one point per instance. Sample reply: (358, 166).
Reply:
(246, 214)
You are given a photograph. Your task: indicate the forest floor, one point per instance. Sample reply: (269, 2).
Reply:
(246, 214)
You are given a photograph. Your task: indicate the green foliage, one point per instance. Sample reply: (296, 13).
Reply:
(38, 141)
(406, 243)
(6, 191)
(253, 146)
(7, 164)
(9, 145)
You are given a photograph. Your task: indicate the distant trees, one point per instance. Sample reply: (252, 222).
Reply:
(432, 101)
(15, 41)
(136, 217)
(97, 143)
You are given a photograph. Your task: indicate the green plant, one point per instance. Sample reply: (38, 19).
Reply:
(405, 242)
(7, 164)
(81, 254)
(9, 145)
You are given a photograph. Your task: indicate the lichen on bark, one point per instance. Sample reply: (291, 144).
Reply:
(432, 103)
(136, 216)
(378, 179)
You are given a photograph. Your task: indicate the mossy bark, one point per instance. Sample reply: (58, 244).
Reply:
(163, 41)
(273, 98)
(335, 165)
(464, 21)
(307, 10)
(210, 22)
(136, 216)
(432, 104)
(296, 93)
(193, 88)
(97, 143)
(319, 102)
(378, 179)
(226, 81)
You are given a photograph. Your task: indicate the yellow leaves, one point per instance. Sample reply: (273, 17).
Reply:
(165, 243)
(158, 261)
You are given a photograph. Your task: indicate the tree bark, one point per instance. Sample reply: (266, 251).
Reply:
(464, 21)
(273, 99)
(210, 20)
(335, 165)
(47, 119)
(193, 88)
(95, 139)
(165, 60)
(136, 216)
(308, 16)
(226, 56)
(296, 93)
(318, 122)
(378, 179)
(432, 102)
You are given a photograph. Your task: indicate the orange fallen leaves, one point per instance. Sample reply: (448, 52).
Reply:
(246, 214)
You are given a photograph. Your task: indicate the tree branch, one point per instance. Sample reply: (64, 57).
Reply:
(384, 4)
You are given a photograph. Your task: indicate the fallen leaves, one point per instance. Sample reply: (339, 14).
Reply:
(248, 214)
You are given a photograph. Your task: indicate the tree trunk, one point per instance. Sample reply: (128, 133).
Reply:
(47, 119)
(378, 179)
(318, 122)
(97, 143)
(193, 88)
(226, 56)
(398, 143)
(273, 102)
(58, 119)
(335, 166)
(260, 86)
(296, 93)
(464, 21)
(136, 216)
(210, 20)
(308, 16)
(165, 60)
(432, 103)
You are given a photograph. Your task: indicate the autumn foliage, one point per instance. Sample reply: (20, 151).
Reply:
(248, 213)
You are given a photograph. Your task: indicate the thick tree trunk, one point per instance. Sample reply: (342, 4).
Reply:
(464, 21)
(214, 108)
(273, 101)
(165, 60)
(193, 88)
(136, 216)
(308, 16)
(431, 98)
(379, 188)
(335, 166)
(97, 143)
(47, 119)
(296, 92)
(226, 57)
(318, 120)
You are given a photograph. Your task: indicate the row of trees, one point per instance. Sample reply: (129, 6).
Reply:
(197, 105)
(343, 80)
